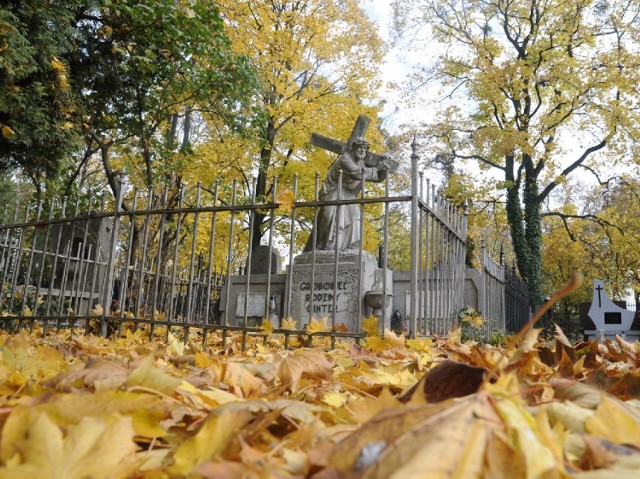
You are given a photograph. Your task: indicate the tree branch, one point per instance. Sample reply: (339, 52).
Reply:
(551, 186)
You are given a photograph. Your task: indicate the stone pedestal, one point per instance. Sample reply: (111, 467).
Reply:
(316, 299)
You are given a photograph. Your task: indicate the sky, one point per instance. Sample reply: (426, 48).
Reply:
(397, 116)
(395, 69)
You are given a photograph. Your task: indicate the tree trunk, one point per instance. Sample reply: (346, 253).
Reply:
(525, 227)
(261, 183)
(533, 234)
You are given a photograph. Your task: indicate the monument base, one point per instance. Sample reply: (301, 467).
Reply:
(313, 286)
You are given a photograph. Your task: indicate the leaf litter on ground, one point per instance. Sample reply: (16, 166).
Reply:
(75, 406)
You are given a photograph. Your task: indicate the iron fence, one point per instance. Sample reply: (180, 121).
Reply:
(517, 308)
(185, 258)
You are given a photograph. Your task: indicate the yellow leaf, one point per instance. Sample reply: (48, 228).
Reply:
(613, 423)
(310, 363)
(57, 65)
(36, 363)
(243, 383)
(286, 199)
(364, 409)
(62, 81)
(7, 132)
(267, 326)
(147, 423)
(92, 448)
(455, 336)
(147, 376)
(539, 459)
(290, 324)
(370, 326)
(393, 339)
(97, 310)
(420, 345)
(174, 345)
(209, 442)
(390, 377)
(202, 360)
(335, 399)
(206, 399)
(316, 326)
(375, 343)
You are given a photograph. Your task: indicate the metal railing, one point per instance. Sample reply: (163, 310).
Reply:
(172, 259)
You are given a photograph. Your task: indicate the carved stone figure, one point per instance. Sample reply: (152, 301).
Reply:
(343, 226)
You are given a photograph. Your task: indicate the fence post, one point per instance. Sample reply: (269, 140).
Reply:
(108, 290)
(413, 310)
(483, 279)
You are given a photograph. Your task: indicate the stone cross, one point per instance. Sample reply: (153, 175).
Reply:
(599, 289)
(339, 147)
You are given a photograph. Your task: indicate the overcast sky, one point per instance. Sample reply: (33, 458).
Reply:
(394, 70)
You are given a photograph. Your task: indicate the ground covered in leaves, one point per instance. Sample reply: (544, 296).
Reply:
(75, 406)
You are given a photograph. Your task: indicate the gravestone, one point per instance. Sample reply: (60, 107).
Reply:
(609, 318)
(75, 249)
(315, 299)
(260, 260)
(257, 305)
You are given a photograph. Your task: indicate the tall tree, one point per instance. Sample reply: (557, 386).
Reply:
(36, 104)
(144, 72)
(318, 62)
(125, 76)
(611, 235)
(543, 88)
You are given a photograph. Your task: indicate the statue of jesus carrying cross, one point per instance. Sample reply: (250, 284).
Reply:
(357, 164)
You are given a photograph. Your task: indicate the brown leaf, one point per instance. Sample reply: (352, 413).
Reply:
(579, 393)
(448, 379)
(503, 460)
(308, 363)
(437, 440)
(243, 383)
(99, 374)
(565, 365)
(626, 387)
(601, 453)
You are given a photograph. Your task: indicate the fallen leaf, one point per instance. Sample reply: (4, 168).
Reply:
(318, 326)
(209, 442)
(289, 324)
(93, 448)
(148, 376)
(436, 440)
(243, 383)
(613, 422)
(267, 326)
(447, 380)
(370, 326)
(310, 363)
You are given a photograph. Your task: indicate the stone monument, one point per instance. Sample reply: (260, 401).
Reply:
(328, 278)
(608, 317)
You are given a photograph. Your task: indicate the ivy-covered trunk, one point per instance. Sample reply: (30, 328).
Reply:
(533, 235)
(525, 226)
